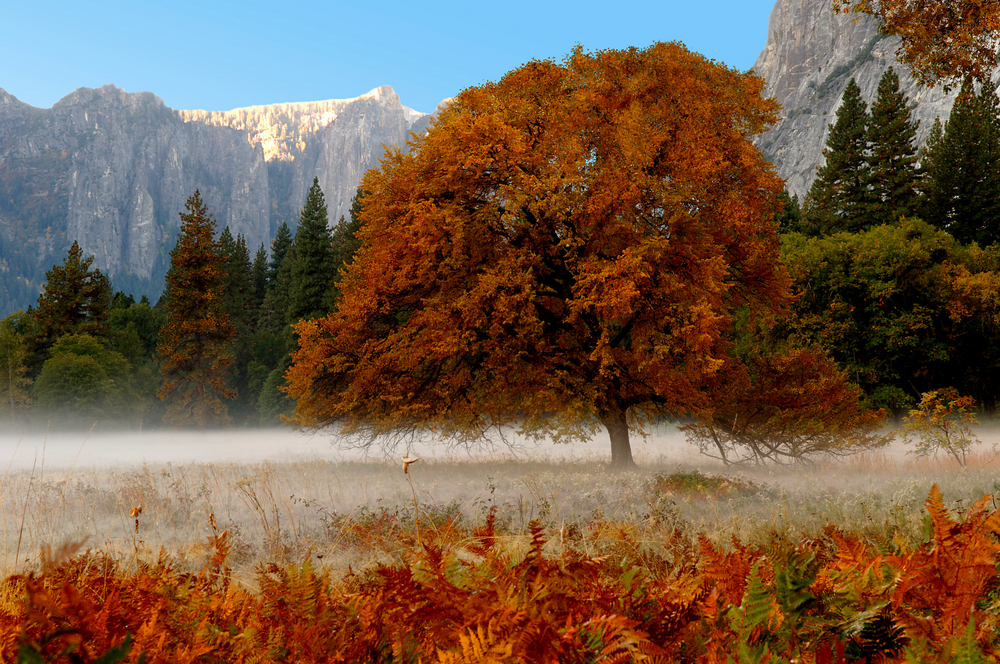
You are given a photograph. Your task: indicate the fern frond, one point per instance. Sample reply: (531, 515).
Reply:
(479, 646)
(759, 607)
(792, 583)
(728, 572)
(943, 526)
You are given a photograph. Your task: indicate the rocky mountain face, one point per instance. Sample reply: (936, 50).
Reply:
(811, 54)
(112, 170)
(335, 140)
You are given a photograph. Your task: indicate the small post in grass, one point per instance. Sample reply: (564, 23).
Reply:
(134, 513)
(407, 460)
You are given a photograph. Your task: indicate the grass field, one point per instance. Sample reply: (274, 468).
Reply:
(340, 518)
(288, 511)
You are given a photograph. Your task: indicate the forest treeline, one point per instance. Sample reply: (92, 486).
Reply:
(211, 352)
(894, 253)
(893, 258)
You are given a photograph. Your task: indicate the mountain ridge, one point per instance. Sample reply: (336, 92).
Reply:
(111, 169)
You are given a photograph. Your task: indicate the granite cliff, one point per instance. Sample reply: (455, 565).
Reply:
(811, 54)
(336, 140)
(111, 170)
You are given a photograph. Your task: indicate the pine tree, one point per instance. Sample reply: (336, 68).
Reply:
(789, 218)
(274, 314)
(345, 240)
(313, 270)
(839, 199)
(239, 289)
(259, 278)
(893, 154)
(77, 300)
(280, 245)
(14, 382)
(195, 343)
(963, 181)
(925, 185)
(274, 340)
(241, 306)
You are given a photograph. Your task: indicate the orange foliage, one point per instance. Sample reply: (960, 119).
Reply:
(565, 246)
(940, 585)
(943, 420)
(829, 600)
(784, 405)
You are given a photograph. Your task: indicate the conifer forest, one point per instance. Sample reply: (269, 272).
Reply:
(581, 248)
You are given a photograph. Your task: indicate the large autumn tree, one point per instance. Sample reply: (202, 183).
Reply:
(195, 343)
(565, 247)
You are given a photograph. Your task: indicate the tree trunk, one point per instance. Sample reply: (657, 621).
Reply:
(621, 451)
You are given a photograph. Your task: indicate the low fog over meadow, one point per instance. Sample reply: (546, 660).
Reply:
(291, 496)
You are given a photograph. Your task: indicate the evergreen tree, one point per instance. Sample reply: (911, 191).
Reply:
(963, 180)
(345, 239)
(76, 300)
(195, 343)
(789, 218)
(239, 300)
(893, 155)
(280, 245)
(313, 270)
(258, 278)
(840, 199)
(226, 242)
(274, 343)
(241, 306)
(14, 381)
(274, 314)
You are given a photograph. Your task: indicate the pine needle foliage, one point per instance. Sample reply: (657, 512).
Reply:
(195, 342)
(839, 197)
(313, 271)
(76, 300)
(963, 188)
(893, 153)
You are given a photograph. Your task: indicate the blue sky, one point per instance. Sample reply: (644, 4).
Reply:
(222, 55)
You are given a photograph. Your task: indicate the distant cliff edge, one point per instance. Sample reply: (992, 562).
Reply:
(111, 170)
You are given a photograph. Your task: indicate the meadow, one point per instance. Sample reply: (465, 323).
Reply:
(347, 527)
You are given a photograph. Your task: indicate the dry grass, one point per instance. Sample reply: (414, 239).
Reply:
(352, 512)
